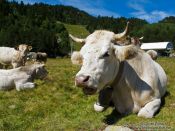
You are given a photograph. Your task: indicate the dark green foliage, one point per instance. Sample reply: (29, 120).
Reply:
(66, 14)
(156, 32)
(115, 24)
(170, 19)
(32, 25)
(38, 25)
(71, 15)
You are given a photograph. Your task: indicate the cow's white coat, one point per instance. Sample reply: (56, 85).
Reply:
(14, 57)
(142, 83)
(21, 77)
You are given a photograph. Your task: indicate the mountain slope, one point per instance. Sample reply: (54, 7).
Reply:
(78, 31)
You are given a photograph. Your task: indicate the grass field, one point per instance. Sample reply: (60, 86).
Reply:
(56, 104)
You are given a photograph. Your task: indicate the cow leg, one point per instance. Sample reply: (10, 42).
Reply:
(1, 66)
(27, 85)
(104, 99)
(150, 109)
(15, 65)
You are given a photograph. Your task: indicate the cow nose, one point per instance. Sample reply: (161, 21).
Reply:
(82, 80)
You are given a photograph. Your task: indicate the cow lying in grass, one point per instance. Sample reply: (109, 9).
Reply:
(137, 42)
(137, 83)
(14, 56)
(40, 57)
(21, 77)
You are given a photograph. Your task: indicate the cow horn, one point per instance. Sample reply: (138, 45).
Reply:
(121, 35)
(141, 38)
(78, 40)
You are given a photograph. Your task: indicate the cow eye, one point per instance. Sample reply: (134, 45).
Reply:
(106, 54)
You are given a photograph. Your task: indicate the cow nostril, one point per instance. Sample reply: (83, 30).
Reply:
(86, 78)
(82, 80)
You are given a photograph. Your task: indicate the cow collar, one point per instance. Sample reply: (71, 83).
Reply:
(119, 74)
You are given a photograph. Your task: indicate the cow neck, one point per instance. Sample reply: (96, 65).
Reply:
(119, 74)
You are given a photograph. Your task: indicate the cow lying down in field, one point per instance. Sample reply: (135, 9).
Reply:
(21, 77)
(137, 42)
(137, 83)
(14, 56)
(40, 57)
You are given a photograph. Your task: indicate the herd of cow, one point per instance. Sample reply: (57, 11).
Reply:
(22, 75)
(111, 64)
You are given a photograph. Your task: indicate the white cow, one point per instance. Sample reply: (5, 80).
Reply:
(14, 56)
(153, 54)
(137, 42)
(130, 41)
(21, 77)
(137, 83)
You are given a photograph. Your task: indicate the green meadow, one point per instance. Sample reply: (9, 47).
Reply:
(56, 104)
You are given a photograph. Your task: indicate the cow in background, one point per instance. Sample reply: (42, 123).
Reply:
(14, 56)
(40, 57)
(130, 41)
(137, 42)
(22, 77)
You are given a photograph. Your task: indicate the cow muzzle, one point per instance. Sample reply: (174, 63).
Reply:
(82, 81)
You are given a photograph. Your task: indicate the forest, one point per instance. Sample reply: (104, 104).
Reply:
(41, 25)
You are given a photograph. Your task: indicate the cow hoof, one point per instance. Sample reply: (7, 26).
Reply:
(145, 113)
(98, 107)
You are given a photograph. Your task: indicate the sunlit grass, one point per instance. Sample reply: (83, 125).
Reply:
(56, 104)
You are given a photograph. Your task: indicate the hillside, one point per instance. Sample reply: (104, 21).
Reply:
(36, 25)
(78, 31)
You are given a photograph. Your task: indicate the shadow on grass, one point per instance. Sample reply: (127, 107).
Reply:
(163, 98)
(113, 117)
(162, 102)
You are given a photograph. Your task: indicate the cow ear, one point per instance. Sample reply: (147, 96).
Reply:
(39, 65)
(42, 65)
(125, 52)
(76, 58)
(30, 48)
(17, 47)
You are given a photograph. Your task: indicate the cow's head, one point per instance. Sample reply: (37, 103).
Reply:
(136, 41)
(100, 58)
(130, 40)
(41, 72)
(23, 49)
